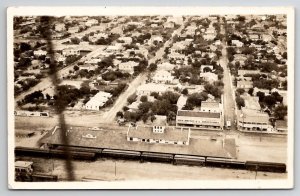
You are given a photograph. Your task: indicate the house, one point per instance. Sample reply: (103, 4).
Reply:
(128, 66)
(134, 106)
(158, 134)
(281, 126)
(251, 102)
(87, 67)
(169, 24)
(73, 30)
(40, 53)
(210, 33)
(162, 76)
(254, 37)
(166, 66)
(181, 101)
(70, 51)
(156, 38)
(96, 36)
(147, 89)
(256, 90)
(126, 40)
(199, 119)
(60, 27)
(244, 84)
(237, 43)
(244, 72)
(114, 48)
(253, 120)
(209, 76)
(91, 22)
(98, 101)
(211, 106)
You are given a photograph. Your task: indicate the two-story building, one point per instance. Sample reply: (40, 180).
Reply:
(199, 119)
(162, 76)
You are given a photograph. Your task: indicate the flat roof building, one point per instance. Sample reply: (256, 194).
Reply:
(199, 119)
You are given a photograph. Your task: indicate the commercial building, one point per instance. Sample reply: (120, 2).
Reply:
(199, 119)
(147, 89)
(98, 101)
(159, 135)
(253, 120)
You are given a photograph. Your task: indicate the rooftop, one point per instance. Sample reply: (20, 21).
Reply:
(171, 134)
(198, 114)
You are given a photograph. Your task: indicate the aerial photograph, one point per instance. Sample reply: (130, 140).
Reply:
(150, 97)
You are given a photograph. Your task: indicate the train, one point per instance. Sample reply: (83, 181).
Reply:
(83, 153)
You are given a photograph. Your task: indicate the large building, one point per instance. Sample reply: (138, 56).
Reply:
(253, 120)
(128, 66)
(159, 134)
(98, 101)
(199, 119)
(163, 76)
(147, 89)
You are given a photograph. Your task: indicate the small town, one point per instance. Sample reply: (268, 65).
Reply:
(150, 97)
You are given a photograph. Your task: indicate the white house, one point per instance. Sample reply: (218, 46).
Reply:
(244, 84)
(128, 66)
(237, 43)
(209, 76)
(162, 76)
(40, 53)
(70, 51)
(147, 89)
(73, 30)
(60, 27)
(98, 101)
(91, 22)
(166, 66)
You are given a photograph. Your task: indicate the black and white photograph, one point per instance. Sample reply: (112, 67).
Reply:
(150, 97)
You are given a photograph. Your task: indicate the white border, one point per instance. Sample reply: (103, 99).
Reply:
(150, 184)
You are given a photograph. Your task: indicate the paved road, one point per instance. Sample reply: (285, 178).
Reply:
(110, 115)
(229, 102)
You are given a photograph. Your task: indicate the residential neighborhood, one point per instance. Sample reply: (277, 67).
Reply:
(211, 86)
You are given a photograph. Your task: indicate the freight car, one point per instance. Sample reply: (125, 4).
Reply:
(265, 166)
(126, 154)
(37, 177)
(189, 160)
(224, 163)
(157, 157)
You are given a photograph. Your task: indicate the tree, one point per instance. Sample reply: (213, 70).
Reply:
(270, 101)
(280, 112)
(131, 98)
(240, 91)
(144, 107)
(144, 98)
(185, 91)
(240, 102)
(250, 91)
(76, 68)
(119, 114)
(260, 95)
(75, 40)
(152, 67)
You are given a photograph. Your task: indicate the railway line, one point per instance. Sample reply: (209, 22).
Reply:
(91, 154)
